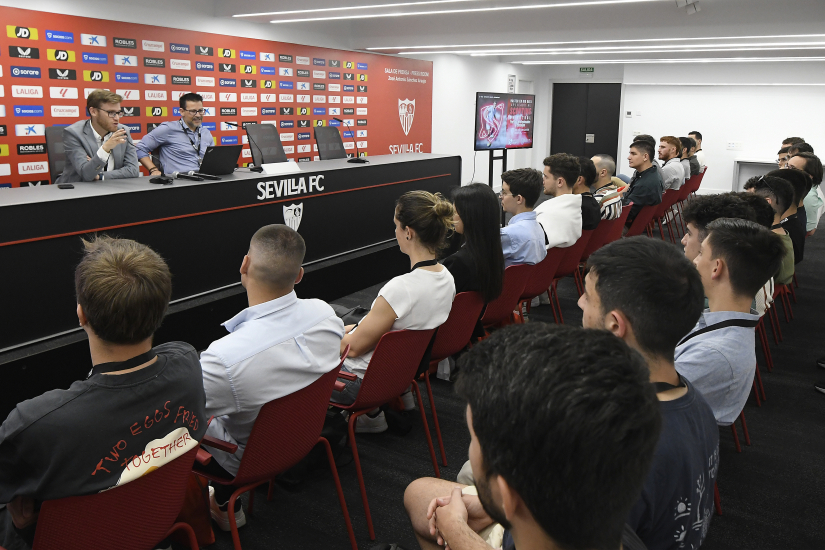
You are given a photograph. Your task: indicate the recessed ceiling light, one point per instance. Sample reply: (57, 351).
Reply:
(748, 48)
(691, 60)
(467, 10)
(374, 6)
(617, 40)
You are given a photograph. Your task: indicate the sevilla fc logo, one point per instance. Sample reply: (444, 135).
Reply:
(406, 113)
(292, 215)
(491, 117)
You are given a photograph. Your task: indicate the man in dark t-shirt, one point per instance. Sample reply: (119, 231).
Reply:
(676, 503)
(591, 211)
(139, 408)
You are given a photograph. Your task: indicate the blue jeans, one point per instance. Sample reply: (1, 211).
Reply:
(349, 393)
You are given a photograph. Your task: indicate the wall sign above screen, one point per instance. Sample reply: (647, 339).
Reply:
(504, 121)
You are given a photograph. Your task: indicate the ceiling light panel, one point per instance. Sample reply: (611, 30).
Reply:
(348, 8)
(669, 61)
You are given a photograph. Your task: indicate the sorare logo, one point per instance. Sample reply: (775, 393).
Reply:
(283, 123)
(349, 88)
(228, 82)
(204, 66)
(133, 128)
(25, 72)
(178, 48)
(270, 111)
(334, 75)
(60, 36)
(303, 135)
(319, 62)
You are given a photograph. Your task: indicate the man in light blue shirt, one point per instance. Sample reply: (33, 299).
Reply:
(522, 240)
(275, 347)
(179, 144)
(718, 356)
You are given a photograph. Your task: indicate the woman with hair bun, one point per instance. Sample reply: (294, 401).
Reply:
(418, 300)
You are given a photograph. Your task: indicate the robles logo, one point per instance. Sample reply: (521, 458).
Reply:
(158, 62)
(31, 149)
(129, 43)
(182, 80)
(229, 111)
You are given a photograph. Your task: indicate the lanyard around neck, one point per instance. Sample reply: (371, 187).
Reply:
(197, 147)
(747, 323)
(115, 366)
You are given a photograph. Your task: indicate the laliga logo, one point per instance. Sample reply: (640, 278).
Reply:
(292, 215)
(491, 117)
(406, 113)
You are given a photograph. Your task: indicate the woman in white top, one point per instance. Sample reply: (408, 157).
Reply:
(418, 300)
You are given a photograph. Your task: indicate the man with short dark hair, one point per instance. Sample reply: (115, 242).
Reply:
(782, 157)
(275, 347)
(561, 216)
(605, 188)
(99, 148)
(551, 472)
(718, 356)
(139, 408)
(180, 144)
(811, 204)
(700, 155)
(673, 175)
(648, 294)
(778, 193)
(645, 188)
(787, 142)
(522, 239)
(794, 219)
(591, 213)
(704, 209)
(800, 148)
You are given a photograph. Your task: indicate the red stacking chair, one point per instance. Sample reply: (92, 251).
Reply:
(452, 337)
(744, 431)
(684, 191)
(286, 430)
(391, 370)
(569, 266)
(617, 225)
(599, 238)
(134, 516)
(642, 221)
(499, 312)
(669, 199)
(541, 279)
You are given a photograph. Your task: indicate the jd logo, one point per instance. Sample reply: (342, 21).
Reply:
(96, 76)
(303, 111)
(61, 55)
(157, 111)
(22, 32)
(293, 214)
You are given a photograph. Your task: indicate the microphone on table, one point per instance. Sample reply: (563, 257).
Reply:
(357, 158)
(189, 176)
(252, 141)
(162, 179)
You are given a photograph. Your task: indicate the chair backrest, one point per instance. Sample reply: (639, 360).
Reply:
(265, 144)
(134, 516)
(55, 150)
(669, 198)
(392, 367)
(455, 333)
(598, 238)
(616, 229)
(543, 273)
(329, 143)
(570, 263)
(515, 279)
(285, 430)
(642, 220)
(688, 187)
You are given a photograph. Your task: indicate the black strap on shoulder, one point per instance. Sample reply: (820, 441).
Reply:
(664, 386)
(747, 323)
(425, 263)
(115, 366)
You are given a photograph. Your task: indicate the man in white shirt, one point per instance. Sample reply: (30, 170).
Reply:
(700, 155)
(561, 216)
(673, 175)
(276, 346)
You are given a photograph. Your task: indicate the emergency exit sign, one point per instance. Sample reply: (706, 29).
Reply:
(586, 69)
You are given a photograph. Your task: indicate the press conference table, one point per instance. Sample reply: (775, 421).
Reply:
(202, 229)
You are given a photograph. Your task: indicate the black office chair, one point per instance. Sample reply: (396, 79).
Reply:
(56, 151)
(329, 143)
(265, 144)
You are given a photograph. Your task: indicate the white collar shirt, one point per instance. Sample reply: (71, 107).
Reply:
(274, 349)
(110, 160)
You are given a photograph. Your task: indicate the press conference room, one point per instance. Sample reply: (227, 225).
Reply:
(426, 274)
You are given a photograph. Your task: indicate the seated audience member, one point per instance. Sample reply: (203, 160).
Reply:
(782, 157)
(275, 347)
(479, 264)
(684, 159)
(83, 440)
(605, 189)
(561, 216)
(99, 148)
(673, 175)
(718, 356)
(811, 203)
(763, 210)
(787, 142)
(645, 188)
(778, 193)
(522, 240)
(700, 155)
(418, 300)
(647, 293)
(704, 209)
(652, 141)
(800, 181)
(695, 167)
(591, 213)
(800, 147)
(550, 473)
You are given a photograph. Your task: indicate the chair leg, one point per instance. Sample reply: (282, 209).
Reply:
(717, 502)
(745, 428)
(435, 418)
(795, 281)
(787, 298)
(769, 313)
(775, 323)
(756, 392)
(555, 294)
(763, 339)
(190, 534)
(417, 391)
(793, 292)
(552, 305)
(660, 222)
(736, 438)
(758, 384)
(251, 507)
(271, 490)
(351, 430)
(341, 500)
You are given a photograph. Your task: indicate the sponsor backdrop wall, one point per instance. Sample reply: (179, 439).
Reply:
(50, 62)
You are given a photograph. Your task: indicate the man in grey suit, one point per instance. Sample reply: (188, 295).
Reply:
(99, 148)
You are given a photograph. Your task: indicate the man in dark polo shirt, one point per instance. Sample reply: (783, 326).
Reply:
(139, 407)
(646, 187)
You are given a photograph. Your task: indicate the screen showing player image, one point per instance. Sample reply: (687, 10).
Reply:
(504, 121)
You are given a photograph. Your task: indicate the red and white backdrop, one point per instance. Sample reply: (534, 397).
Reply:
(49, 63)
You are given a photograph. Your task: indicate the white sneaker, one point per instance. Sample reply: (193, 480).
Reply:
(408, 400)
(221, 517)
(366, 425)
